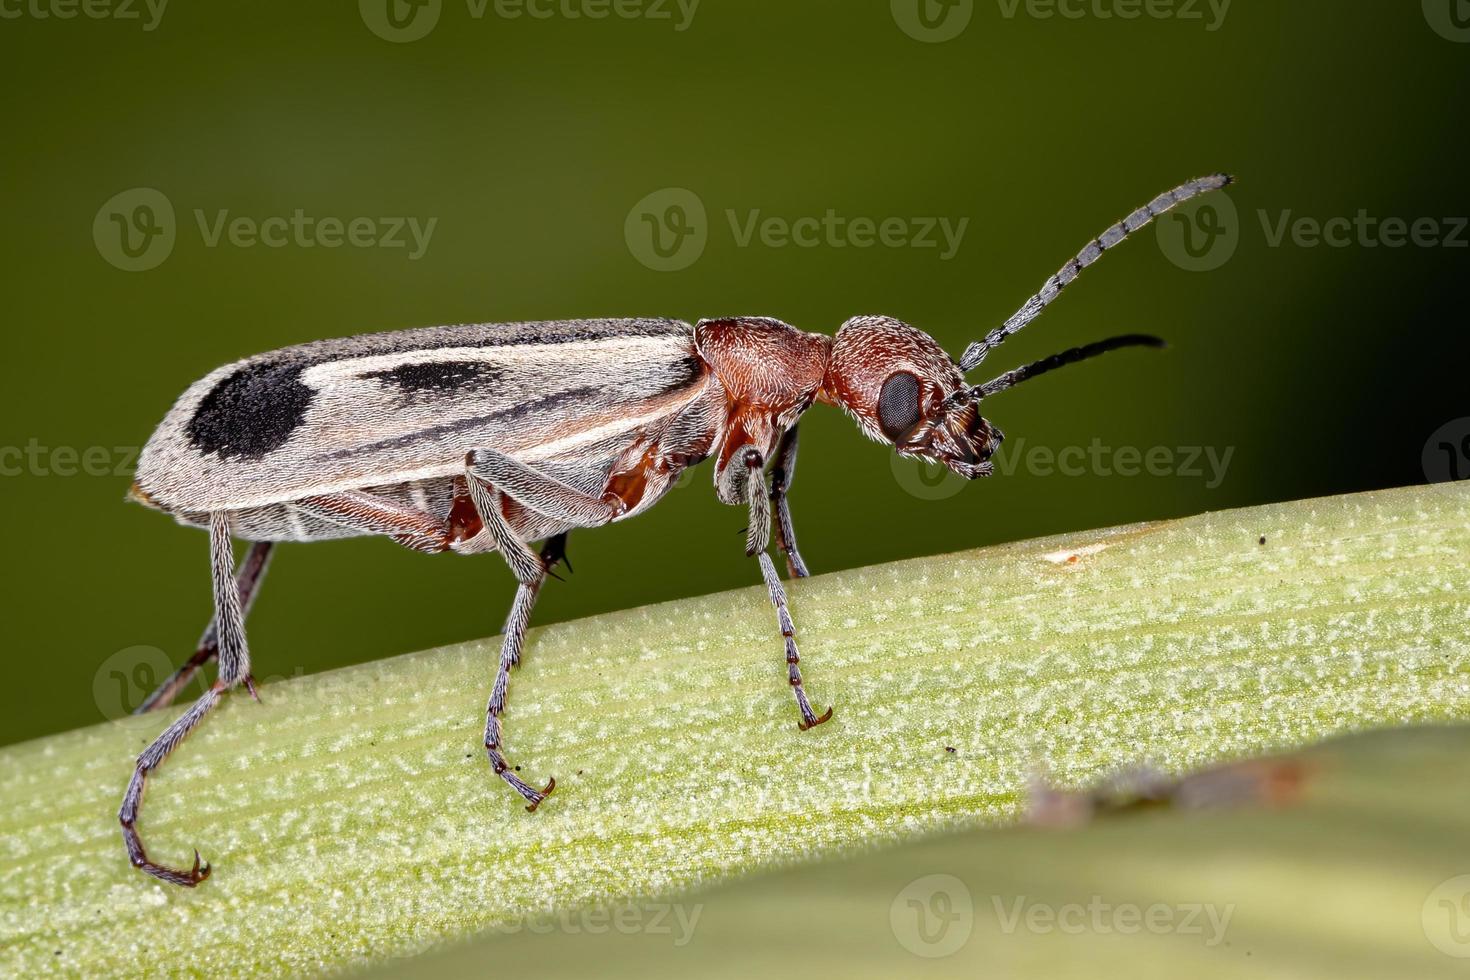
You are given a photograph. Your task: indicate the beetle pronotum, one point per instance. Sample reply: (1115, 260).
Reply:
(486, 437)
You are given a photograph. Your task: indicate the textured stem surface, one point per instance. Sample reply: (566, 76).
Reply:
(352, 816)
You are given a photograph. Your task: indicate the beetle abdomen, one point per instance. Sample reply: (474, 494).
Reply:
(287, 521)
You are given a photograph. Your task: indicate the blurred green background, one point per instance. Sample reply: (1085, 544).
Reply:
(531, 140)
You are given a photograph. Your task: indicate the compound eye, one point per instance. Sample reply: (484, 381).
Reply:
(898, 405)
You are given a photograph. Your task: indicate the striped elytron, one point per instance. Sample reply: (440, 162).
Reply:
(487, 437)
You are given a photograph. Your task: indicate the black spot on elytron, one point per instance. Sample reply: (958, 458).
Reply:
(436, 376)
(252, 412)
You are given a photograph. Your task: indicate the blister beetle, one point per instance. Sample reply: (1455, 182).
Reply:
(487, 437)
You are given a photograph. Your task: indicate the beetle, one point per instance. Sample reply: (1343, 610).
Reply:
(489, 437)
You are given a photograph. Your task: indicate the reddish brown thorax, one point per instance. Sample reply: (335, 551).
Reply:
(893, 379)
(770, 371)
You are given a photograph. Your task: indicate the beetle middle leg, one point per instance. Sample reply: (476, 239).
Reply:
(757, 540)
(234, 668)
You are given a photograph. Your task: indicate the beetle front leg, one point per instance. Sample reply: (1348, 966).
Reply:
(530, 570)
(234, 668)
(757, 539)
(782, 473)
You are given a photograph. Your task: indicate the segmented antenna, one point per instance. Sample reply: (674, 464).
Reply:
(1015, 376)
(1032, 308)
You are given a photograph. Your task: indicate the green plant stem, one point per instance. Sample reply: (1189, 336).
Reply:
(352, 817)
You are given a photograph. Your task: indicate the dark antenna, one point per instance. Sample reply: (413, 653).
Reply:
(1015, 376)
(1031, 309)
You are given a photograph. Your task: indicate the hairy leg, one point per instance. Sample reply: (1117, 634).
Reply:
(408, 526)
(234, 668)
(783, 471)
(757, 542)
(247, 579)
(530, 571)
(542, 493)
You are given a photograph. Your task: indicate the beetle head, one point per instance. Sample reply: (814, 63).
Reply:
(901, 388)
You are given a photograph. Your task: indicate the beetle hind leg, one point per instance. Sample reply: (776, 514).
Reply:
(234, 668)
(247, 579)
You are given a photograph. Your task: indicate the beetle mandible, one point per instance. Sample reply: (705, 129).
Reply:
(486, 437)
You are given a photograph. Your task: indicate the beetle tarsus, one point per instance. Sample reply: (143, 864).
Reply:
(806, 725)
(139, 859)
(553, 553)
(533, 797)
(541, 796)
